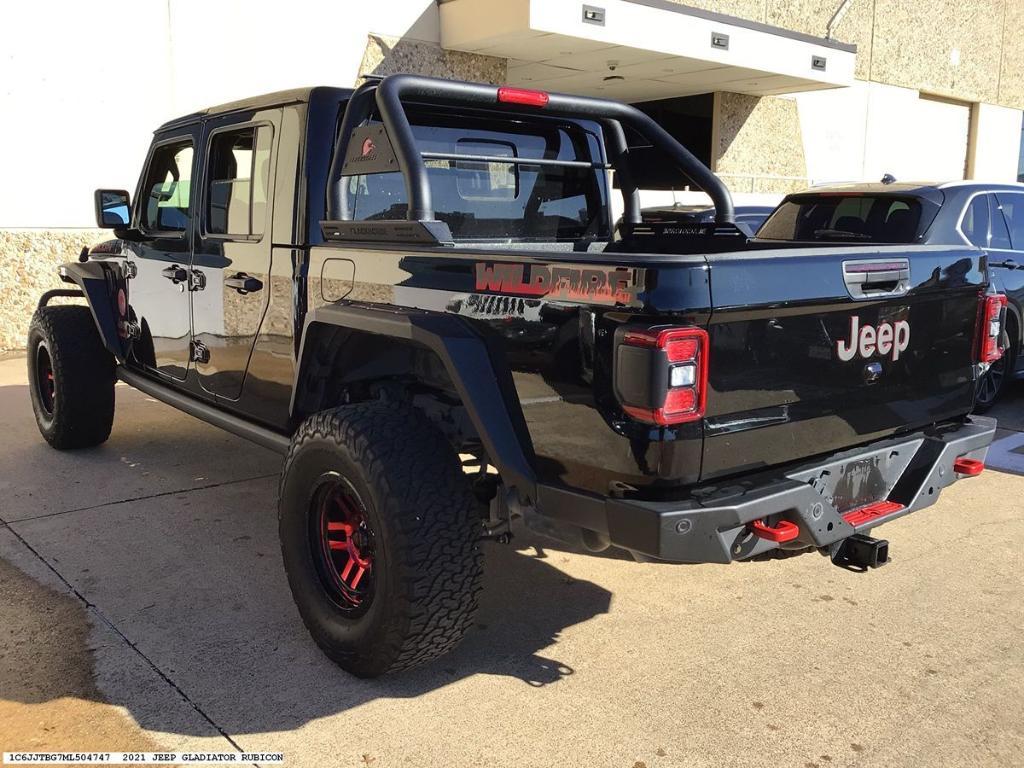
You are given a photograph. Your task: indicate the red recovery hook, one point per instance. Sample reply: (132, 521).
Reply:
(782, 531)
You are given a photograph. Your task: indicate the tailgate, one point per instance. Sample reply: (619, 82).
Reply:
(814, 350)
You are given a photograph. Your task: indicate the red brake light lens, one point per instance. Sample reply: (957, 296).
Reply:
(989, 347)
(525, 96)
(668, 385)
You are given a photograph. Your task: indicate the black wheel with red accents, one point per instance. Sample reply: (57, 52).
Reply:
(71, 377)
(379, 536)
(342, 543)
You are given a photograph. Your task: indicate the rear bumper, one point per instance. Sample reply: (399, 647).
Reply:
(713, 524)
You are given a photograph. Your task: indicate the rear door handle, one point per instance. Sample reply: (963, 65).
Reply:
(175, 274)
(244, 283)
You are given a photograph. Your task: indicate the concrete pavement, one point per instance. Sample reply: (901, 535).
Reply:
(158, 555)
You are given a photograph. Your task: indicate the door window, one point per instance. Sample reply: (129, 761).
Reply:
(238, 178)
(974, 224)
(1013, 213)
(167, 188)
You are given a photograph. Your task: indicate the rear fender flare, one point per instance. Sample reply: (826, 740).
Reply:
(476, 367)
(98, 283)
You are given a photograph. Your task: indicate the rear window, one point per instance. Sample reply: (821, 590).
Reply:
(844, 218)
(484, 186)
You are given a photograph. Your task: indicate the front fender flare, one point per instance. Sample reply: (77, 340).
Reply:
(476, 367)
(98, 284)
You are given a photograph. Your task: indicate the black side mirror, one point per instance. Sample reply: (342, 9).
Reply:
(113, 209)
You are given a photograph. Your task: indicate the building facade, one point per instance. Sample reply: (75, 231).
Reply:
(774, 95)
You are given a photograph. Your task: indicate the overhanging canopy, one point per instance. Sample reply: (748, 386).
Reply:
(638, 50)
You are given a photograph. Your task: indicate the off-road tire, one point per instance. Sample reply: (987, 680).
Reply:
(428, 562)
(80, 412)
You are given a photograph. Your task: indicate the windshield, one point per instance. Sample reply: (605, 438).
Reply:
(844, 218)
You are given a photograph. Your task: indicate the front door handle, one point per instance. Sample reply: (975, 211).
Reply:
(244, 283)
(175, 274)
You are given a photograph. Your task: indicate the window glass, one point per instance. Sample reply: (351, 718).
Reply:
(843, 218)
(167, 188)
(486, 179)
(238, 177)
(494, 199)
(1000, 234)
(975, 222)
(1013, 213)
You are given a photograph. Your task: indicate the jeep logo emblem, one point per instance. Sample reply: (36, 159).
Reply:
(866, 341)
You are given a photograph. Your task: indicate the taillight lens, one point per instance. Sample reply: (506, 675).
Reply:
(524, 96)
(661, 373)
(991, 331)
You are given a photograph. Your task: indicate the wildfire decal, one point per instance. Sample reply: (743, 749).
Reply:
(569, 282)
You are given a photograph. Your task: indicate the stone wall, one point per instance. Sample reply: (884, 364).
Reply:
(391, 55)
(756, 144)
(28, 267)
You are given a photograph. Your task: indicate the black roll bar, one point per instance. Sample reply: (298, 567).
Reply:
(358, 110)
(390, 92)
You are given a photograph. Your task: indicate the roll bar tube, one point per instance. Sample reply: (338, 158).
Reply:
(392, 90)
(358, 110)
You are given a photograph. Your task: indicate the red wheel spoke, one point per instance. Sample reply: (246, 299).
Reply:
(358, 576)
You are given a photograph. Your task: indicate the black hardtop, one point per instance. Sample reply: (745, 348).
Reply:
(311, 94)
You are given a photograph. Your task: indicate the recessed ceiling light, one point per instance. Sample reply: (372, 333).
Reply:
(609, 78)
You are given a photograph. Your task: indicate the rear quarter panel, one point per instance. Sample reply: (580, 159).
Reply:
(554, 316)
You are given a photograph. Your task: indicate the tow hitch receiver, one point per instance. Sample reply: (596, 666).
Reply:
(859, 552)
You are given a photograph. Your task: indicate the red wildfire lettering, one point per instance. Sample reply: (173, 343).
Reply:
(601, 285)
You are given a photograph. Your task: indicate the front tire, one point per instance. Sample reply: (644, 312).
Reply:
(71, 378)
(380, 537)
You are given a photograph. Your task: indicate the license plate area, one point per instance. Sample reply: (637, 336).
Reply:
(858, 481)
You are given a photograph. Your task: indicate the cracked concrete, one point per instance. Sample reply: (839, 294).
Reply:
(147, 573)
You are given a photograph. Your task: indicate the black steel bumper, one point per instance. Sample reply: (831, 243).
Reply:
(713, 525)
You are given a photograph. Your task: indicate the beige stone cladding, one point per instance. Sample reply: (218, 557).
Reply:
(28, 266)
(391, 55)
(756, 144)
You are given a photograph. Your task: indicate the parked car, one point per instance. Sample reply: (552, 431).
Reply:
(986, 216)
(373, 282)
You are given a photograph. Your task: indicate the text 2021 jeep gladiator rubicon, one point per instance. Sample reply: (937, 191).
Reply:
(373, 282)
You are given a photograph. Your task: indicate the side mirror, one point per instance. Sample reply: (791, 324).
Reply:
(113, 209)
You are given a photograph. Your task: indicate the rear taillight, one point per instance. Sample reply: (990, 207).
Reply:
(990, 333)
(661, 373)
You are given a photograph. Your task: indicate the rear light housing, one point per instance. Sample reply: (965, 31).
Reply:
(661, 373)
(524, 96)
(990, 332)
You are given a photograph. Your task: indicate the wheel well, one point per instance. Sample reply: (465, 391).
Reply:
(344, 365)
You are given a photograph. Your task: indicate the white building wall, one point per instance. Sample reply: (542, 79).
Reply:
(83, 85)
(865, 131)
(997, 146)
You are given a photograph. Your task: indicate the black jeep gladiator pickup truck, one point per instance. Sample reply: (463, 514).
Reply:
(394, 285)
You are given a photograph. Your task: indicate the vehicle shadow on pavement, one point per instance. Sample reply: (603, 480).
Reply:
(191, 577)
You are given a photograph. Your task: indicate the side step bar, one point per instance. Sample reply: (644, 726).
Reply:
(204, 411)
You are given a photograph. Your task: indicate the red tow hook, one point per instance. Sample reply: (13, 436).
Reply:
(968, 467)
(782, 531)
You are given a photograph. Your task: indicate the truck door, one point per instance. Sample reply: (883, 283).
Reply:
(159, 291)
(231, 261)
